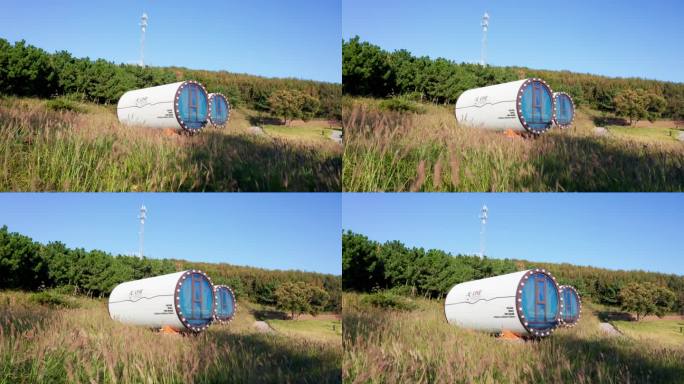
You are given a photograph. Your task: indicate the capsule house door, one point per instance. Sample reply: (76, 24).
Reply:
(536, 106)
(540, 297)
(219, 105)
(193, 106)
(197, 297)
(568, 308)
(536, 103)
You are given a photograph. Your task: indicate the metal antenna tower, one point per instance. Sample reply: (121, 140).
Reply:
(142, 217)
(143, 28)
(483, 223)
(485, 28)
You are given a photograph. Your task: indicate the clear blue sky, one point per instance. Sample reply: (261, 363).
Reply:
(615, 38)
(274, 231)
(610, 230)
(294, 38)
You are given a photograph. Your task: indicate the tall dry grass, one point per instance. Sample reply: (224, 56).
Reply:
(44, 150)
(385, 346)
(83, 345)
(389, 151)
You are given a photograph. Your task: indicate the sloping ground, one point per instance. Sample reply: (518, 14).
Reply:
(83, 345)
(45, 150)
(420, 347)
(657, 132)
(665, 332)
(608, 329)
(263, 326)
(647, 134)
(389, 151)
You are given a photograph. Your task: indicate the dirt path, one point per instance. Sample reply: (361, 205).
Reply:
(609, 329)
(256, 130)
(263, 327)
(336, 136)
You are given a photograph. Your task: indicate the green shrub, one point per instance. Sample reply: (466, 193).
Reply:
(401, 104)
(413, 96)
(403, 290)
(64, 290)
(388, 300)
(64, 104)
(52, 299)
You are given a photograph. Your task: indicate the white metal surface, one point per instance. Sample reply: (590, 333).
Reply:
(152, 107)
(493, 107)
(490, 107)
(149, 302)
(486, 304)
(490, 304)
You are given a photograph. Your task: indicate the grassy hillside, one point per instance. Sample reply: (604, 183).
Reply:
(88, 150)
(258, 284)
(390, 346)
(368, 265)
(33, 266)
(667, 331)
(81, 344)
(368, 70)
(391, 151)
(31, 71)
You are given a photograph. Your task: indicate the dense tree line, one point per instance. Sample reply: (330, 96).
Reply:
(26, 70)
(29, 265)
(368, 265)
(255, 91)
(368, 70)
(260, 285)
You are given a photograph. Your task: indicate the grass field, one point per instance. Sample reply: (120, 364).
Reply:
(41, 344)
(310, 133)
(389, 151)
(46, 150)
(648, 134)
(322, 330)
(389, 346)
(665, 332)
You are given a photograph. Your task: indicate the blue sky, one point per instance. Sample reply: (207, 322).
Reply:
(294, 38)
(609, 230)
(615, 38)
(274, 231)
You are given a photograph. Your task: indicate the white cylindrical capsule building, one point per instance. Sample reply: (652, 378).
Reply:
(564, 113)
(572, 306)
(183, 301)
(183, 105)
(526, 303)
(523, 105)
(226, 306)
(219, 109)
